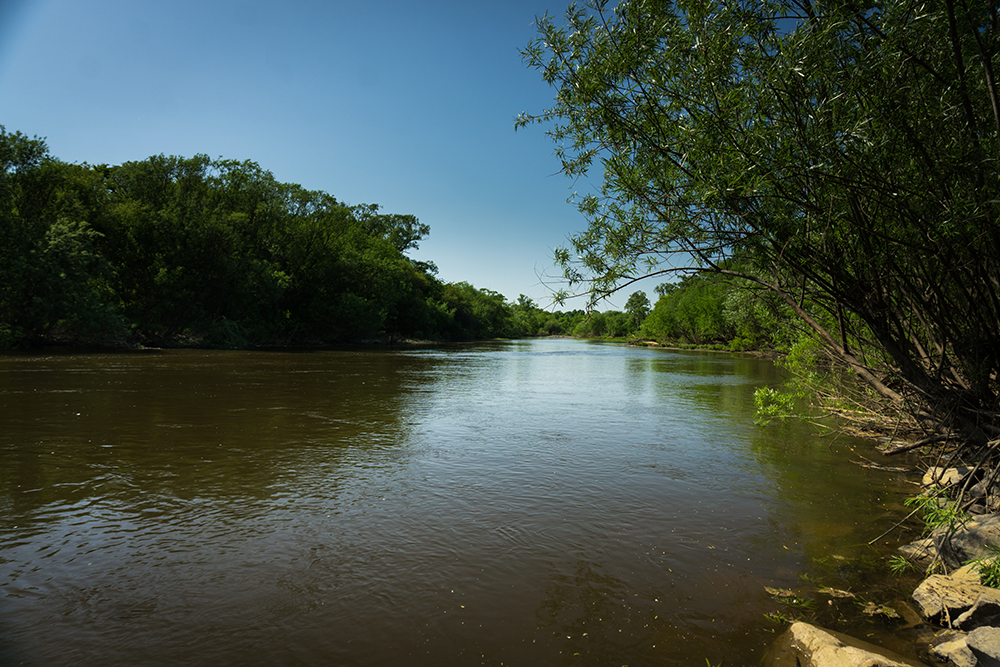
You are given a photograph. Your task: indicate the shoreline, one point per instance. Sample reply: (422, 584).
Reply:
(948, 604)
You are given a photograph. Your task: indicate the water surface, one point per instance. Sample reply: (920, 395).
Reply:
(539, 502)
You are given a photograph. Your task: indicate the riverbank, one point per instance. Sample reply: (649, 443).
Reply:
(949, 612)
(198, 342)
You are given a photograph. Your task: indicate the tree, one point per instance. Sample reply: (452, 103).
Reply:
(215, 252)
(692, 312)
(842, 152)
(404, 232)
(52, 277)
(637, 308)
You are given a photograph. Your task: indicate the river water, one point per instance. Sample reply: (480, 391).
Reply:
(543, 502)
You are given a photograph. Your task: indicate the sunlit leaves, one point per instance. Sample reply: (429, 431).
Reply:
(842, 151)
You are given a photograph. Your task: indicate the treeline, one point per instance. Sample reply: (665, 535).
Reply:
(175, 250)
(715, 310)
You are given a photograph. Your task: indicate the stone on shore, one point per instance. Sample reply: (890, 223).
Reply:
(958, 600)
(804, 645)
(955, 652)
(973, 539)
(943, 477)
(984, 643)
(920, 552)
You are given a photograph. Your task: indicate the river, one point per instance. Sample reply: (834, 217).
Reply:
(541, 502)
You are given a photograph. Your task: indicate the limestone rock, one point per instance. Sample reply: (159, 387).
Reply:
(942, 477)
(919, 552)
(804, 645)
(987, 492)
(970, 541)
(957, 602)
(968, 573)
(955, 652)
(984, 643)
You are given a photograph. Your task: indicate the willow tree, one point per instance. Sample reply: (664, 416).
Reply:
(842, 155)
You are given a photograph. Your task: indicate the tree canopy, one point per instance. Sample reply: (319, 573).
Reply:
(170, 250)
(840, 155)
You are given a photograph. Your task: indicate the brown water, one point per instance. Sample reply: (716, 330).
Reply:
(549, 502)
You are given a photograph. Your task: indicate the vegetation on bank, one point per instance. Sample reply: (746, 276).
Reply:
(172, 250)
(837, 159)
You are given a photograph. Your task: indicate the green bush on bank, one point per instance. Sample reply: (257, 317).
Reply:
(712, 310)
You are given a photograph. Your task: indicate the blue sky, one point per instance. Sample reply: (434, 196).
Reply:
(405, 104)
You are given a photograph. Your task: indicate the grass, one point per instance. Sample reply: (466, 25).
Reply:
(938, 510)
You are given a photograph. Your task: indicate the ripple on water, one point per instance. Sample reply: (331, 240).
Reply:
(516, 503)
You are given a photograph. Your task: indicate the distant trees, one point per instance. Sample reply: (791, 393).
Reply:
(530, 320)
(715, 309)
(218, 252)
(637, 308)
(691, 312)
(52, 275)
(610, 324)
(172, 249)
(838, 156)
(217, 246)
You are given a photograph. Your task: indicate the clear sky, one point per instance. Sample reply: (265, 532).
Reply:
(405, 104)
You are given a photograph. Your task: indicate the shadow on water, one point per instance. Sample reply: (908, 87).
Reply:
(526, 502)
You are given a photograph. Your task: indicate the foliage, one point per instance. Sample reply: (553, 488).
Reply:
(690, 312)
(704, 309)
(938, 511)
(988, 567)
(637, 308)
(217, 252)
(52, 276)
(839, 156)
(773, 404)
(608, 324)
(899, 565)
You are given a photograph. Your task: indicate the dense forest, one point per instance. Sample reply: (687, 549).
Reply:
(172, 250)
(194, 251)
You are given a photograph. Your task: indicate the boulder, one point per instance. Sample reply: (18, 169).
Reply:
(971, 540)
(804, 645)
(919, 552)
(941, 477)
(955, 652)
(982, 489)
(984, 643)
(958, 601)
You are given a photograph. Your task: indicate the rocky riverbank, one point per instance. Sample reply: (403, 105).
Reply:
(953, 617)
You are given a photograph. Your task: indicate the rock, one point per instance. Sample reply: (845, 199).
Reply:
(920, 552)
(969, 541)
(983, 612)
(804, 645)
(986, 492)
(981, 489)
(984, 643)
(968, 573)
(875, 609)
(955, 652)
(957, 602)
(942, 477)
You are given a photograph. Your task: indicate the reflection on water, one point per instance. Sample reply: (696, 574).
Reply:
(525, 503)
